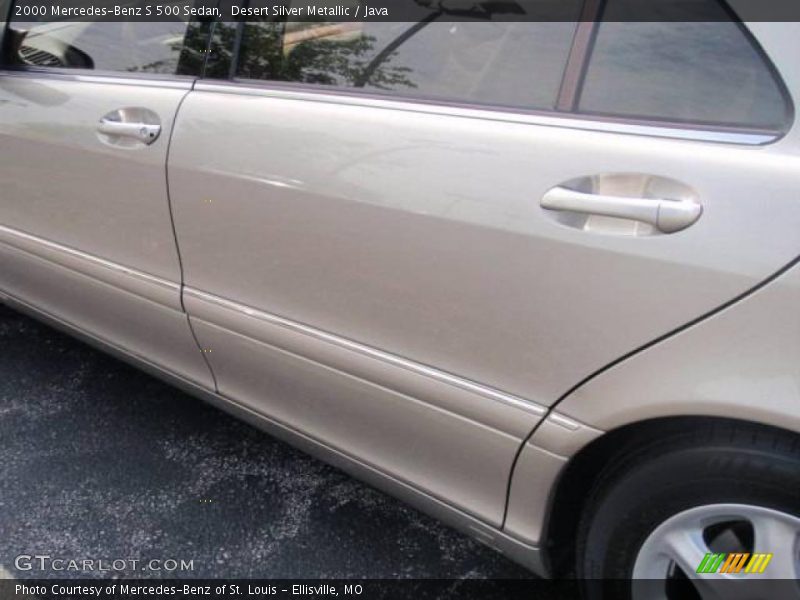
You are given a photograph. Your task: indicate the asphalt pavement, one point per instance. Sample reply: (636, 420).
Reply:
(99, 460)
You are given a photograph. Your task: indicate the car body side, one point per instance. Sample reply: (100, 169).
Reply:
(463, 448)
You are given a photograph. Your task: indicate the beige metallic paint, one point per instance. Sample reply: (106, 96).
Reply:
(431, 250)
(443, 454)
(540, 462)
(91, 243)
(130, 280)
(427, 241)
(107, 201)
(741, 363)
(143, 328)
(462, 397)
(525, 554)
(535, 473)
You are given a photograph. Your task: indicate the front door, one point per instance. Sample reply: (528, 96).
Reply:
(86, 112)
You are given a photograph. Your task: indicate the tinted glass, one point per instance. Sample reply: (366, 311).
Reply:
(476, 60)
(108, 46)
(700, 72)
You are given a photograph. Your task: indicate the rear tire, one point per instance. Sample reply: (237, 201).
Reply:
(649, 483)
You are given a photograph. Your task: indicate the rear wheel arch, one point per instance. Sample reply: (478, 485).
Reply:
(610, 452)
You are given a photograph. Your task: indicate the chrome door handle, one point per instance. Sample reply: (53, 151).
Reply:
(668, 216)
(143, 132)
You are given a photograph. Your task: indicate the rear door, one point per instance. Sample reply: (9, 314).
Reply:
(86, 112)
(470, 217)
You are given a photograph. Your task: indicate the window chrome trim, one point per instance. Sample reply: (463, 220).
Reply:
(180, 82)
(678, 131)
(579, 54)
(575, 121)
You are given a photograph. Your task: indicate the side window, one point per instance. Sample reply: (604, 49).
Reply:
(472, 60)
(130, 47)
(698, 72)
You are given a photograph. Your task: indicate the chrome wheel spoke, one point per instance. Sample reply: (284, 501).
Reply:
(686, 548)
(684, 540)
(778, 537)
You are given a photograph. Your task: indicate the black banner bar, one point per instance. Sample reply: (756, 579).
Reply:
(404, 10)
(745, 586)
(284, 589)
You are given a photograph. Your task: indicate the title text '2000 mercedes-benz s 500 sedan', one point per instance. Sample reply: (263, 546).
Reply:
(535, 277)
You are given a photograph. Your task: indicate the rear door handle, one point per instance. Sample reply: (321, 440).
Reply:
(143, 132)
(668, 216)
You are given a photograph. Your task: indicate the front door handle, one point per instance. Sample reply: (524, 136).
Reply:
(668, 216)
(142, 132)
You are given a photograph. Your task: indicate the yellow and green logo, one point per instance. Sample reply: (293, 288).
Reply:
(734, 563)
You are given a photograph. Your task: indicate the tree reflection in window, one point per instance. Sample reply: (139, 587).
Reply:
(323, 53)
(471, 55)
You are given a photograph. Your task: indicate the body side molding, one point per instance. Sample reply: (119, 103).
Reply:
(483, 404)
(524, 554)
(149, 287)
